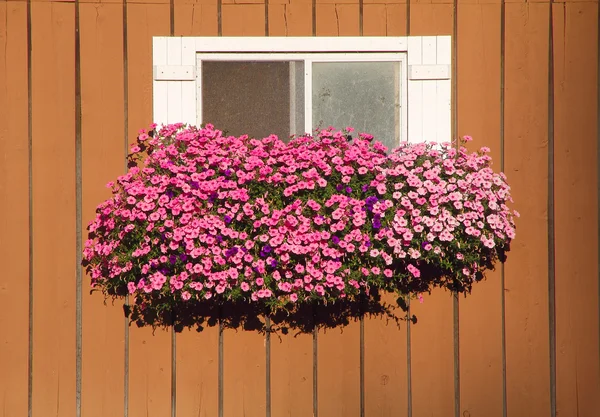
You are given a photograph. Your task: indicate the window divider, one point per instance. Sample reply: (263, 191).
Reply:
(308, 127)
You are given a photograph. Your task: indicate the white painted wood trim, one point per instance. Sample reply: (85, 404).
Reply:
(302, 44)
(174, 73)
(425, 73)
(429, 89)
(174, 83)
(429, 72)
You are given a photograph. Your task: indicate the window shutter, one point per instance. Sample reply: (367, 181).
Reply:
(174, 80)
(429, 89)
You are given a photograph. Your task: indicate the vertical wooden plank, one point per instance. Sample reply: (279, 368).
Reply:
(150, 351)
(339, 385)
(429, 57)
(431, 19)
(299, 18)
(338, 371)
(397, 19)
(197, 372)
(290, 18)
(432, 337)
(160, 89)
(244, 373)
(188, 88)
(443, 104)
(337, 19)
(197, 356)
(244, 19)
(143, 22)
(375, 20)
(173, 55)
(102, 161)
(526, 164)
(386, 386)
(576, 208)
(291, 380)
(277, 19)
(386, 382)
(196, 18)
(14, 210)
(479, 116)
(244, 352)
(415, 93)
(53, 39)
(384, 18)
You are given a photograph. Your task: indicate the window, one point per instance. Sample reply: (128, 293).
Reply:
(397, 89)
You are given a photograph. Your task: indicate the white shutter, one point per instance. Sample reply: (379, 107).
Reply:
(174, 86)
(429, 89)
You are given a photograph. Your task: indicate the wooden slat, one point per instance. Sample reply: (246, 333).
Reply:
(244, 378)
(385, 19)
(174, 88)
(188, 88)
(244, 373)
(375, 20)
(386, 379)
(443, 103)
(197, 353)
(526, 153)
(415, 92)
(576, 208)
(291, 380)
(339, 372)
(244, 19)
(432, 337)
(291, 356)
(299, 18)
(397, 20)
(150, 352)
(479, 116)
(195, 18)
(197, 372)
(103, 159)
(338, 350)
(430, 19)
(14, 210)
(337, 19)
(53, 60)
(160, 89)
(292, 18)
(244, 352)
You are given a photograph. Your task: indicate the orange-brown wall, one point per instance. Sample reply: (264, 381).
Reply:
(75, 87)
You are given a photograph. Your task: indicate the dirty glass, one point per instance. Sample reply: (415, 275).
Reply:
(254, 98)
(364, 95)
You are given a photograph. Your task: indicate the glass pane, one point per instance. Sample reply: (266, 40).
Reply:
(254, 98)
(364, 95)
(297, 98)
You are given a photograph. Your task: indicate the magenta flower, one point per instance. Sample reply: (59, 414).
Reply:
(203, 216)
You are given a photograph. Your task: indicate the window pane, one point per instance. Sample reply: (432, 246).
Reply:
(364, 95)
(254, 98)
(297, 98)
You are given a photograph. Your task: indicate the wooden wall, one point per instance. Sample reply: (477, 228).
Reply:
(75, 87)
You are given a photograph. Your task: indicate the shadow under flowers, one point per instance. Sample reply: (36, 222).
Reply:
(296, 318)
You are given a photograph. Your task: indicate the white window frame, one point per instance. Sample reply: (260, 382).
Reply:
(425, 85)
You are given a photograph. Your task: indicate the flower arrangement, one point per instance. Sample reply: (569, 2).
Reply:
(208, 228)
